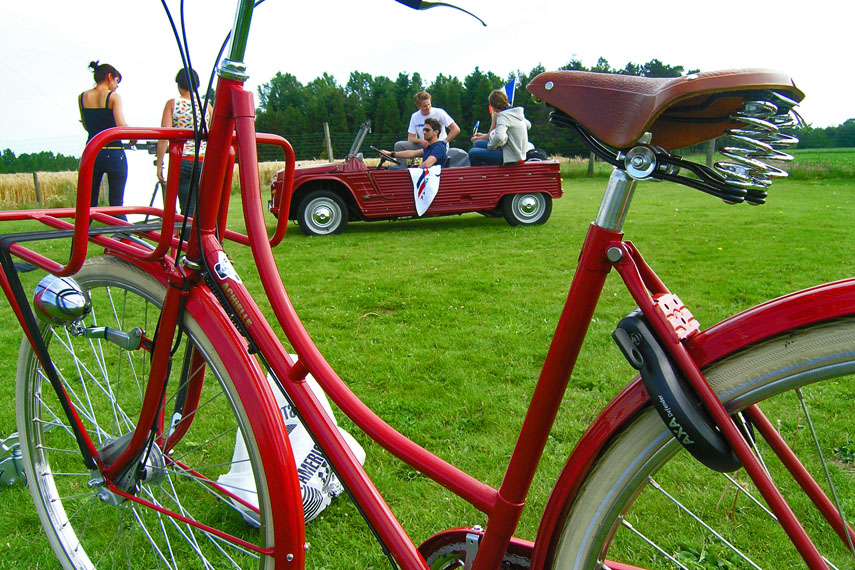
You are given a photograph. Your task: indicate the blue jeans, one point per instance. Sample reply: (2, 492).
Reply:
(113, 163)
(186, 200)
(480, 155)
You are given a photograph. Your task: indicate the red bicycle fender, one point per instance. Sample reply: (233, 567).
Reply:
(803, 308)
(256, 396)
(792, 311)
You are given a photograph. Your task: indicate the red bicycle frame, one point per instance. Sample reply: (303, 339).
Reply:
(233, 128)
(603, 249)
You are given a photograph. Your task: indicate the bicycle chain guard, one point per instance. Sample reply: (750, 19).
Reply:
(672, 397)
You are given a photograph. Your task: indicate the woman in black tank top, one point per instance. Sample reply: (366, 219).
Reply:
(100, 109)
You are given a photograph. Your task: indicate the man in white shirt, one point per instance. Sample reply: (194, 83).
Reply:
(415, 135)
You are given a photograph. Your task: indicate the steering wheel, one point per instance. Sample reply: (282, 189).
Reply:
(384, 157)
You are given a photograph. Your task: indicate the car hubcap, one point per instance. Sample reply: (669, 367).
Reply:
(528, 207)
(324, 215)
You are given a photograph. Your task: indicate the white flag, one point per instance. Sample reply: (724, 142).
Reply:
(425, 186)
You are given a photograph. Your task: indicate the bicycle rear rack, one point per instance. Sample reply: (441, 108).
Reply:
(116, 234)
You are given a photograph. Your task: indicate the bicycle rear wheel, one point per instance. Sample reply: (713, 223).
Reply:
(647, 503)
(89, 526)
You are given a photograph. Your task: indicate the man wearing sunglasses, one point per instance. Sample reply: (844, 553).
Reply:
(415, 137)
(435, 151)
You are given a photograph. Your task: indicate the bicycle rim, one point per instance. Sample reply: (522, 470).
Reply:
(192, 481)
(647, 503)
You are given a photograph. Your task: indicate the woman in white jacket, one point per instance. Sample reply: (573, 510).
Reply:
(507, 142)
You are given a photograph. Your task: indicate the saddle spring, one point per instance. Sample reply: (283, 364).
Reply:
(759, 141)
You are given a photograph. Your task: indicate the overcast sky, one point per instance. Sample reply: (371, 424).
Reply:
(47, 45)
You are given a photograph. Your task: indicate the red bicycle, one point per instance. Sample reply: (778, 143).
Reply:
(144, 368)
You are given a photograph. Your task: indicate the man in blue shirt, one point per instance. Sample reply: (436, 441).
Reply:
(435, 151)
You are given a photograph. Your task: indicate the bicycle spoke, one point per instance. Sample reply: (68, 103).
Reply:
(151, 541)
(50, 425)
(821, 455)
(81, 408)
(700, 521)
(105, 390)
(57, 450)
(199, 469)
(215, 540)
(748, 494)
(651, 543)
(188, 532)
(120, 323)
(230, 430)
(87, 503)
(62, 474)
(115, 539)
(206, 484)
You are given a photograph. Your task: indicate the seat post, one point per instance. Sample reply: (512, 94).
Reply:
(616, 200)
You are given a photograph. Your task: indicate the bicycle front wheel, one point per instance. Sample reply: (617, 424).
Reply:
(647, 503)
(204, 497)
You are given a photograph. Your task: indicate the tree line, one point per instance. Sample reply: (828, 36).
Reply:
(298, 112)
(289, 108)
(841, 136)
(45, 161)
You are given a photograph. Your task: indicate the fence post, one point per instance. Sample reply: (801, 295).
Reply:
(36, 186)
(710, 152)
(329, 141)
(591, 165)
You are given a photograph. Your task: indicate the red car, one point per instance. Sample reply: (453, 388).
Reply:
(327, 196)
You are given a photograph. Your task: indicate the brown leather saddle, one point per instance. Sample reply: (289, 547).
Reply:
(679, 111)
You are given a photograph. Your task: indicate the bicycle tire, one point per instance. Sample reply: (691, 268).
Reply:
(621, 497)
(106, 384)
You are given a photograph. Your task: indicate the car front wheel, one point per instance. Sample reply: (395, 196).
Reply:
(322, 212)
(527, 209)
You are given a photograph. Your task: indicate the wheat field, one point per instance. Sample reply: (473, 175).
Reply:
(19, 190)
(57, 189)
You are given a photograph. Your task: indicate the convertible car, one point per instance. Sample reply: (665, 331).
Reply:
(327, 196)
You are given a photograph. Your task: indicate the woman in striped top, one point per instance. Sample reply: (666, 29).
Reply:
(179, 112)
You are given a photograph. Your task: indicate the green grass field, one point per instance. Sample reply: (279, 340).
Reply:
(442, 324)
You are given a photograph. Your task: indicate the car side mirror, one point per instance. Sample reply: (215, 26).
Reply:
(423, 5)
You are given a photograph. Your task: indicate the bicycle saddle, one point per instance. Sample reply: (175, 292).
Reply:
(678, 111)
